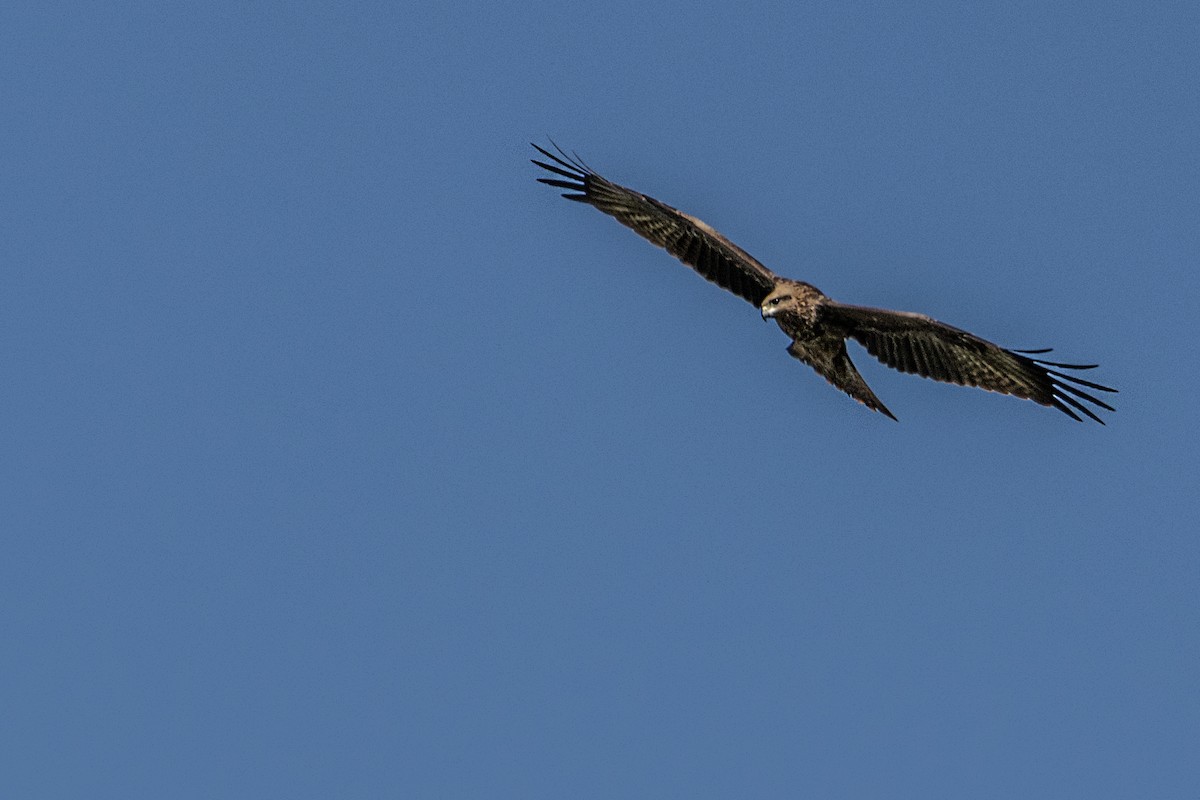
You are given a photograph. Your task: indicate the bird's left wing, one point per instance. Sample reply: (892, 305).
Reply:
(921, 345)
(690, 240)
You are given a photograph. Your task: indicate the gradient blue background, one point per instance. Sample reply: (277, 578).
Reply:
(341, 459)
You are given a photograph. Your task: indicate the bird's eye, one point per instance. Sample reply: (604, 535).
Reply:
(774, 301)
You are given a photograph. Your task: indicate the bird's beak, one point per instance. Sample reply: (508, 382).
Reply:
(766, 316)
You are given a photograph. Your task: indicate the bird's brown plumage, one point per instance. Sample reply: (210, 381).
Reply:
(819, 326)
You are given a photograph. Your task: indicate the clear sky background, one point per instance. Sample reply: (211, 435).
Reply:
(342, 459)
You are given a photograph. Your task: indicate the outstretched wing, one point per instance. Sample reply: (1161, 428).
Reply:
(921, 345)
(691, 241)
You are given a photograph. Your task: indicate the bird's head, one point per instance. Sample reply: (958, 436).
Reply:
(778, 300)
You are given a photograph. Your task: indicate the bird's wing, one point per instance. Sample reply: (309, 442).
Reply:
(691, 241)
(919, 344)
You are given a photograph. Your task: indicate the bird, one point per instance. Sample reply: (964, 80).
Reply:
(819, 326)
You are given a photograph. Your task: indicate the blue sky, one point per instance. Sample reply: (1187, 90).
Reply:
(342, 459)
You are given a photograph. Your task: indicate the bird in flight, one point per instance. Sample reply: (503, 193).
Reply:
(819, 326)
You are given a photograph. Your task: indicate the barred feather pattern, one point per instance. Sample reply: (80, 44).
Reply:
(691, 240)
(921, 345)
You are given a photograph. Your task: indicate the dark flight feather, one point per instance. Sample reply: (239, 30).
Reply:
(923, 346)
(691, 241)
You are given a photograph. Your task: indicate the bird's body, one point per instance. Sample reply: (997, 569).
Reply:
(819, 326)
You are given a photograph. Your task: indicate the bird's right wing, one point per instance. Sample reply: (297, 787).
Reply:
(921, 345)
(691, 241)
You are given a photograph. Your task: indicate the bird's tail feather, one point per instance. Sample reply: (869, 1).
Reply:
(833, 363)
